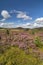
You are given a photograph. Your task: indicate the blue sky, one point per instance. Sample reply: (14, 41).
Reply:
(21, 12)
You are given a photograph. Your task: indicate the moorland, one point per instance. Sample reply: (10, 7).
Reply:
(21, 46)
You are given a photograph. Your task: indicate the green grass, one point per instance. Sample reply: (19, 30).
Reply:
(15, 56)
(38, 42)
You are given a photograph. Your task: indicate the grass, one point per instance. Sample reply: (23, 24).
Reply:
(15, 56)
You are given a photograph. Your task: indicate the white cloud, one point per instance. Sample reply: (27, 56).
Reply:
(1, 24)
(5, 14)
(7, 25)
(2, 20)
(19, 14)
(36, 24)
(22, 15)
(26, 25)
(39, 19)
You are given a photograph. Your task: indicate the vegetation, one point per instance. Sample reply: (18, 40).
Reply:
(7, 31)
(15, 56)
(21, 46)
(38, 42)
(0, 37)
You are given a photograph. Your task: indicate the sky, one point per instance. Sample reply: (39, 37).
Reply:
(21, 13)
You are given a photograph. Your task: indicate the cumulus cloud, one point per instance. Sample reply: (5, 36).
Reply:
(5, 14)
(36, 24)
(7, 25)
(1, 24)
(26, 25)
(31, 25)
(39, 19)
(39, 22)
(21, 15)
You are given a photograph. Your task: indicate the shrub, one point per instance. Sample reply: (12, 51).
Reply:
(38, 42)
(7, 32)
(0, 37)
(33, 32)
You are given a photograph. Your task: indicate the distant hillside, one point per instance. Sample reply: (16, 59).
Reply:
(40, 28)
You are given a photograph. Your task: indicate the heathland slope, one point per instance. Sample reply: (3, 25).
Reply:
(21, 46)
